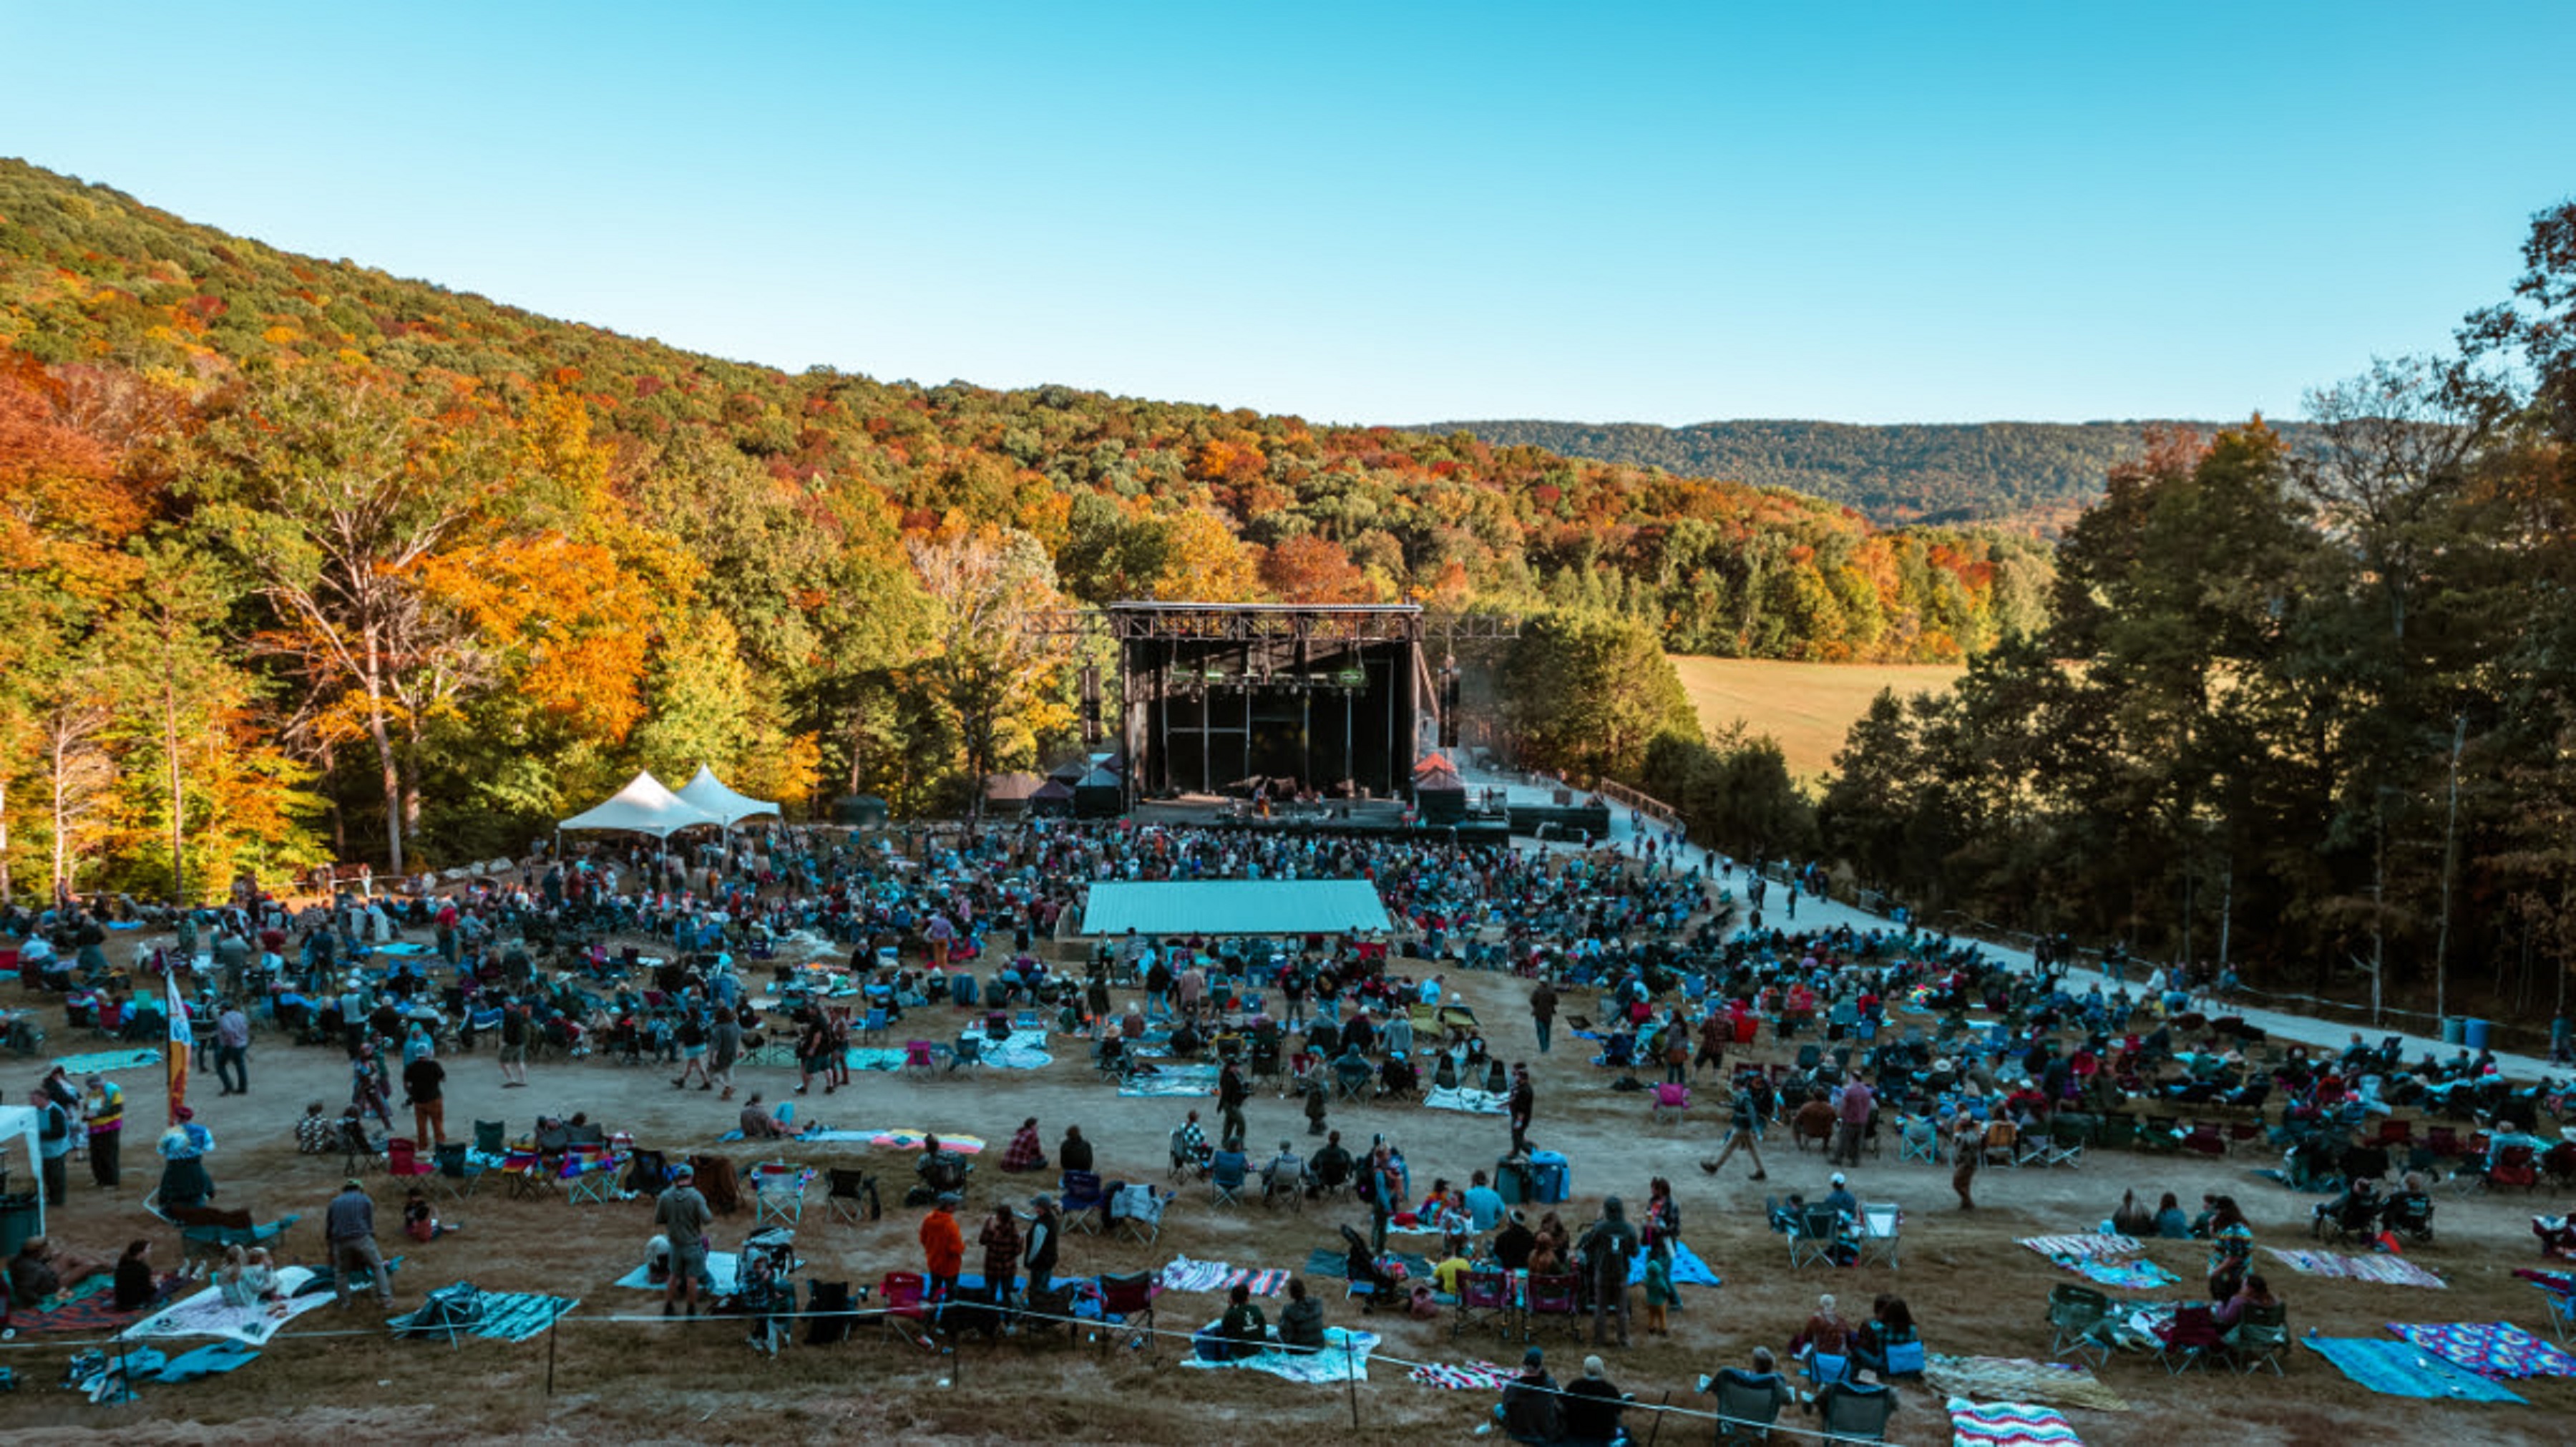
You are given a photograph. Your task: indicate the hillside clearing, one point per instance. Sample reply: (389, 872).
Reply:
(1808, 707)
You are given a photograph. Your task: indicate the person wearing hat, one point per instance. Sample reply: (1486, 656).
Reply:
(1530, 1410)
(1044, 1233)
(1841, 1199)
(1592, 1405)
(349, 1228)
(943, 1247)
(682, 1215)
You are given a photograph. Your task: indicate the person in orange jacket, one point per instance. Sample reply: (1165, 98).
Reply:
(943, 1247)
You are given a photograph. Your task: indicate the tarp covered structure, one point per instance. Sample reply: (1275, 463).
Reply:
(26, 1124)
(711, 797)
(643, 807)
(1234, 907)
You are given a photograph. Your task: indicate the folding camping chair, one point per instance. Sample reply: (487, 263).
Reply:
(1127, 1306)
(968, 1054)
(778, 1193)
(590, 1173)
(458, 1175)
(491, 1138)
(903, 1312)
(1856, 1414)
(1813, 1234)
(1137, 1211)
(1880, 1225)
(1079, 1200)
(920, 1057)
(872, 1027)
(1672, 1102)
(2189, 1340)
(2079, 1320)
(1484, 1299)
(403, 1162)
(1227, 1171)
(1554, 1300)
(844, 1192)
(2260, 1338)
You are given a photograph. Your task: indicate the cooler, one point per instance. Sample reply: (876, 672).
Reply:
(2476, 1034)
(1551, 1179)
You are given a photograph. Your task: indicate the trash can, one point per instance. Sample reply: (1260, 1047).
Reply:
(18, 1213)
(1551, 1179)
(2454, 1030)
(2476, 1034)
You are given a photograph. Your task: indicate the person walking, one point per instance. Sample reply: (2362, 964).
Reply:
(1543, 1011)
(424, 1086)
(515, 1030)
(349, 1227)
(1524, 1101)
(1743, 1132)
(232, 1049)
(681, 1214)
(1967, 1149)
(725, 1046)
(1851, 1120)
(106, 1111)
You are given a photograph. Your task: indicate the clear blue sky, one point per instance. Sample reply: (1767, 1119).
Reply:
(1383, 212)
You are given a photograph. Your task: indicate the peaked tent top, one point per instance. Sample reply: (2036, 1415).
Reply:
(711, 797)
(643, 807)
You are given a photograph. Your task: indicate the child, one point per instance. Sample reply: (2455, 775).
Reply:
(760, 1300)
(1659, 1285)
(420, 1221)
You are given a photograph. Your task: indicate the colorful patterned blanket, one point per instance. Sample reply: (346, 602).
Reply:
(1463, 1377)
(2111, 1261)
(1183, 1274)
(2387, 1270)
(2397, 1369)
(2008, 1424)
(2016, 1379)
(2086, 1247)
(2491, 1349)
(1343, 1359)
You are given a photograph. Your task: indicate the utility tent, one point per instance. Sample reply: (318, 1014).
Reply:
(644, 807)
(710, 796)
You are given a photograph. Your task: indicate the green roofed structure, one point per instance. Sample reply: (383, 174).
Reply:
(1234, 907)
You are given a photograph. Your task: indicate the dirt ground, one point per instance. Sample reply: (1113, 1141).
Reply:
(615, 1370)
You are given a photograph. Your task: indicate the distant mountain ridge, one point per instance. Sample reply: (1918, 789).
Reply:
(2028, 476)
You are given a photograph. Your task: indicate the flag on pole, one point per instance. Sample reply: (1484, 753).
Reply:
(182, 1040)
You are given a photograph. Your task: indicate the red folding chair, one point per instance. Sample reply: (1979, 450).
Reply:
(904, 1313)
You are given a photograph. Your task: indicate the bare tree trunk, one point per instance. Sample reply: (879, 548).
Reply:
(62, 818)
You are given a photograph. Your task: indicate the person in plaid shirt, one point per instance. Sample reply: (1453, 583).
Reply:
(1025, 1153)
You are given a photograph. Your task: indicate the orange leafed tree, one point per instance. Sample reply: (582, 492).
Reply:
(1310, 569)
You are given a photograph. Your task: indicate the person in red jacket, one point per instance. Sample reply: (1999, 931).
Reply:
(943, 1247)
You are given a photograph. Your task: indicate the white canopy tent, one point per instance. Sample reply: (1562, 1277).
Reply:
(643, 807)
(710, 796)
(24, 1122)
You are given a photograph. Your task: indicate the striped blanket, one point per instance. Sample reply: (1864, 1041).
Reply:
(2491, 1349)
(1463, 1377)
(1183, 1274)
(2397, 1369)
(2008, 1424)
(509, 1315)
(2106, 1260)
(1171, 1080)
(1473, 1102)
(2015, 1379)
(2387, 1270)
(2085, 1247)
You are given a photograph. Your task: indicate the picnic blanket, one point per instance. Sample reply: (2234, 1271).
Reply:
(1343, 1359)
(1464, 1377)
(722, 1269)
(2564, 1283)
(2491, 1349)
(1473, 1102)
(1688, 1269)
(1332, 1261)
(103, 1062)
(206, 1314)
(1025, 1050)
(85, 1310)
(2018, 1379)
(873, 1057)
(211, 1360)
(508, 1315)
(2388, 1270)
(1171, 1080)
(2397, 1369)
(1183, 1274)
(2105, 1260)
(2008, 1424)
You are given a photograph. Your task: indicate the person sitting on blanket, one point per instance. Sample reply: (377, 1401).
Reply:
(1763, 1377)
(1244, 1330)
(1074, 1152)
(1334, 1163)
(1824, 1343)
(1301, 1323)
(136, 1286)
(41, 1269)
(248, 1277)
(2171, 1224)
(941, 1170)
(759, 1124)
(1025, 1152)
(1529, 1411)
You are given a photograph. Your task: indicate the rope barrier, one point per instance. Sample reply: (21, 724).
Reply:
(928, 1312)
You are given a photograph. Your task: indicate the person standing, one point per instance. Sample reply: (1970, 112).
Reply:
(1524, 1101)
(1607, 1250)
(943, 1247)
(1967, 1149)
(681, 1214)
(514, 1045)
(106, 1110)
(724, 1048)
(1851, 1120)
(424, 1083)
(1543, 1011)
(232, 1049)
(1000, 1239)
(183, 1149)
(53, 1144)
(349, 1228)
(1044, 1233)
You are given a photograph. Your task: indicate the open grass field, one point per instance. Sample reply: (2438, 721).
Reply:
(1808, 707)
(617, 1372)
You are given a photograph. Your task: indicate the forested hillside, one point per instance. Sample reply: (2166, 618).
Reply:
(301, 558)
(2031, 476)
